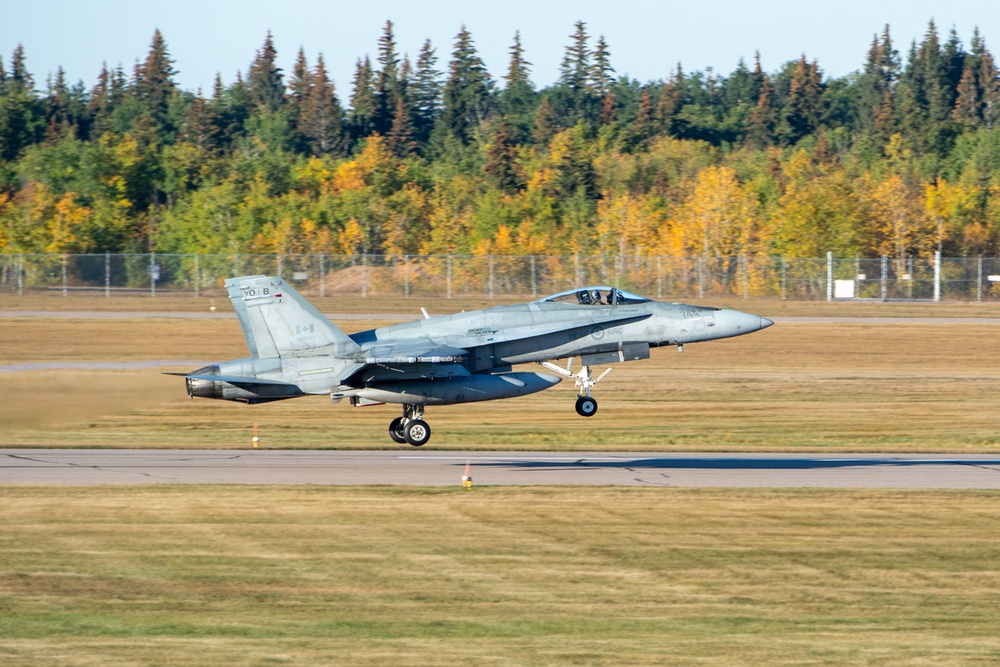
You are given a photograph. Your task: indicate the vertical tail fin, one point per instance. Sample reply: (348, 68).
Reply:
(276, 320)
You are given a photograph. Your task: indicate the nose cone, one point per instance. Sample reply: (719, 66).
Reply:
(735, 323)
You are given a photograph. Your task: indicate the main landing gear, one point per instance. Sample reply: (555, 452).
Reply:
(586, 405)
(411, 427)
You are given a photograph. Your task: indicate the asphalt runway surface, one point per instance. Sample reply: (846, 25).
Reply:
(443, 468)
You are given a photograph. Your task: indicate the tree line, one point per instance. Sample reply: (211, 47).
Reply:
(435, 155)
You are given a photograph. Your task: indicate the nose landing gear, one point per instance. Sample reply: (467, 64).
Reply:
(411, 427)
(586, 406)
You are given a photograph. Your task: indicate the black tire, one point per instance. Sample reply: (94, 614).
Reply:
(417, 432)
(396, 431)
(586, 406)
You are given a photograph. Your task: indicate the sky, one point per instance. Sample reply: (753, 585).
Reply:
(647, 38)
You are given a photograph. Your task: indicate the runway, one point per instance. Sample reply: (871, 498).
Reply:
(442, 468)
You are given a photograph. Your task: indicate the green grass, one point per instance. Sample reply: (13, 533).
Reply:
(497, 576)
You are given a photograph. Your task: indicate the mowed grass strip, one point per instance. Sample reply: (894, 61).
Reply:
(497, 576)
(792, 387)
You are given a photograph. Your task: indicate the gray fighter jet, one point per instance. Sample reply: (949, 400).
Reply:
(296, 351)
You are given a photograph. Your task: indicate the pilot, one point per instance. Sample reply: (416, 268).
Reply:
(597, 297)
(583, 296)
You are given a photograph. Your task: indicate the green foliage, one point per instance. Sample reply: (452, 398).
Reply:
(424, 159)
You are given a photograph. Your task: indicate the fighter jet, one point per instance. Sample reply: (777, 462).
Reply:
(296, 351)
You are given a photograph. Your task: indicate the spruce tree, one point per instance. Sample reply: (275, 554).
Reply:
(425, 92)
(518, 94)
(264, 81)
(501, 168)
(399, 140)
(763, 120)
(321, 121)
(387, 85)
(575, 67)
(803, 107)
(362, 100)
(154, 82)
(468, 93)
(600, 75)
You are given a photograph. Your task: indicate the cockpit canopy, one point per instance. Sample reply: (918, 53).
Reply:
(597, 295)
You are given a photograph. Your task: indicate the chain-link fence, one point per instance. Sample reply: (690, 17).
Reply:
(502, 276)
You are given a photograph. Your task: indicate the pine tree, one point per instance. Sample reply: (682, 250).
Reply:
(321, 121)
(387, 87)
(609, 108)
(545, 122)
(362, 99)
(425, 92)
(763, 119)
(643, 126)
(989, 84)
(670, 103)
(298, 84)
(599, 76)
(518, 93)
(468, 93)
(154, 82)
(575, 67)
(264, 81)
(20, 79)
(967, 109)
(879, 77)
(803, 107)
(399, 140)
(501, 168)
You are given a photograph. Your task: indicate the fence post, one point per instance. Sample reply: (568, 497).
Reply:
(364, 275)
(829, 276)
(406, 276)
(979, 281)
(449, 277)
(107, 275)
(745, 277)
(534, 283)
(784, 279)
(65, 291)
(937, 276)
(885, 277)
(491, 275)
(322, 275)
(197, 277)
(152, 274)
(701, 276)
(20, 274)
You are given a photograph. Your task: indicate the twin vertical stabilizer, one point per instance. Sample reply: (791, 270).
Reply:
(277, 321)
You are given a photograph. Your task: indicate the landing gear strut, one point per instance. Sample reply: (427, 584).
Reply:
(411, 427)
(586, 406)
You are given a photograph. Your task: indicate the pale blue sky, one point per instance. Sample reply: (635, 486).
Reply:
(647, 38)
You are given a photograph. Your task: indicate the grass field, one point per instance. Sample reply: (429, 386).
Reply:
(377, 576)
(209, 575)
(867, 386)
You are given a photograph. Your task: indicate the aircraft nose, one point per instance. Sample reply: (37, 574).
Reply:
(735, 323)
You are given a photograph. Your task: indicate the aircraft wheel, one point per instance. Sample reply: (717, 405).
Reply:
(586, 406)
(396, 430)
(417, 432)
